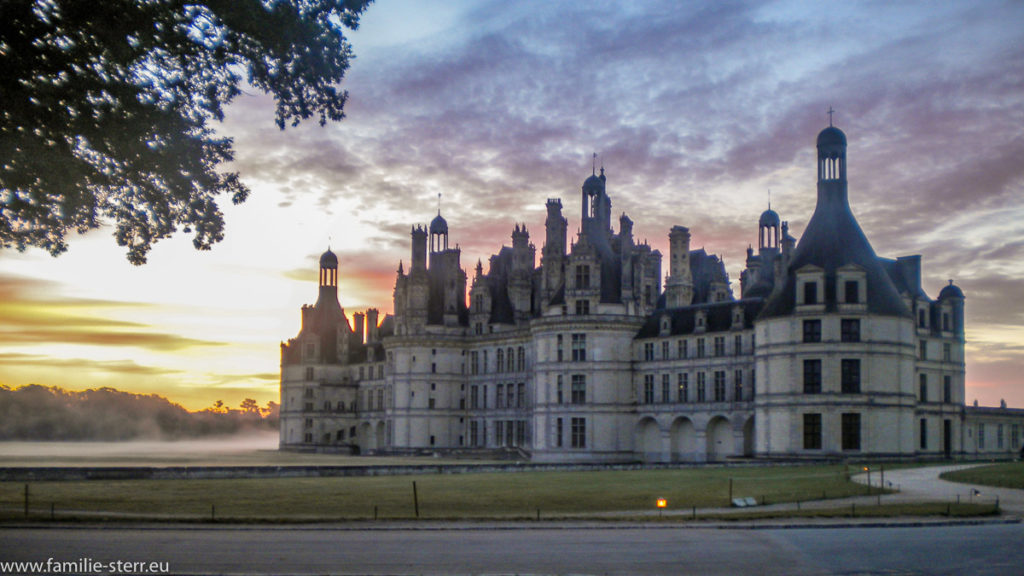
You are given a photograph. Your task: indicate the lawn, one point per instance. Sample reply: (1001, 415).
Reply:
(1006, 475)
(502, 495)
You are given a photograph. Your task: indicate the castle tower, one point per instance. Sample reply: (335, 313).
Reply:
(835, 353)
(679, 284)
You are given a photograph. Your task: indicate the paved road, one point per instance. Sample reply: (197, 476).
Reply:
(921, 484)
(992, 549)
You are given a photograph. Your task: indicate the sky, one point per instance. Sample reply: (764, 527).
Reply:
(698, 111)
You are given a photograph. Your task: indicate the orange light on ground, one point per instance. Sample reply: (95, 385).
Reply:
(662, 502)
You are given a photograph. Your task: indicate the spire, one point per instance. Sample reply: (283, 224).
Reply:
(830, 112)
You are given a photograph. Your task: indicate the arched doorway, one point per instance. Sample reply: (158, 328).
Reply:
(684, 440)
(719, 436)
(649, 440)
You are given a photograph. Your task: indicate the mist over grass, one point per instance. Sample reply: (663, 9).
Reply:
(50, 413)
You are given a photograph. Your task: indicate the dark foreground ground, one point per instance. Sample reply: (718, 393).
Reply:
(984, 549)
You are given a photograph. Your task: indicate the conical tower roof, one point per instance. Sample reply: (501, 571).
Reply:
(833, 239)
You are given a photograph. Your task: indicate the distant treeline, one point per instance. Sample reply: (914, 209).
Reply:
(35, 412)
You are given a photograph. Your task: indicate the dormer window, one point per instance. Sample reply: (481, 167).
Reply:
(810, 286)
(851, 292)
(583, 277)
(921, 318)
(666, 325)
(810, 293)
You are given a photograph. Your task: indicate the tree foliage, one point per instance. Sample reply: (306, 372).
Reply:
(106, 108)
(36, 412)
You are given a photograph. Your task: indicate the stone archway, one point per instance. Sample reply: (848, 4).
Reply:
(648, 438)
(719, 439)
(684, 441)
(380, 437)
(366, 441)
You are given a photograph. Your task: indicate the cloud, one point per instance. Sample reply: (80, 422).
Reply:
(30, 315)
(122, 367)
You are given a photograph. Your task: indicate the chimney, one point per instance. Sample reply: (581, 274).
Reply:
(357, 319)
(371, 325)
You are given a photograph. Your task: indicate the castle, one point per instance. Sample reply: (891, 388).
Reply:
(829, 352)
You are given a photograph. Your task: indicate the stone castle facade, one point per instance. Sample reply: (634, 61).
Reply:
(829, 352)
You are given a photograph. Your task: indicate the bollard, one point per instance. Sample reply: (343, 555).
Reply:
(26, 500)
(694, 512)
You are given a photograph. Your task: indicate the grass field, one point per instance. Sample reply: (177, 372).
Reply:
(504, 495)
(1006, 475)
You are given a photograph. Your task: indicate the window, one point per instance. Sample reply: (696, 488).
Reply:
(433, 368)
(380, 398)
(923, 349)
(474, 399)
(999, 436)
(474, 433)
(500, 396)
(945, 322)
(947, 389)
(648, 351)
(582, 307)
(920, 318)
(981, 436)
(812, 431)
(579, 432)
(648, 388)
(521, 359)
(924, 434)
(499, 431)
(558, 433)
(582, 277)
(521, 395)
(1014, 436)
(719, 345)
(812, 376)
(850, 330)
(810, 292)
(852, 292)
(561, 390)
(510, 394)
(431, 404)
(500, 360)
(812, 330)
(850, 376)
(309, 373)
(683, 352)
(474, 362)
(851, 431)
(579, 389)
(923, 387)
(684, 387)
(947, 352)
(720, 386)
(737, 382)
(558, 347)
(700, 347)
(737, 345)
(485, 362)
(666, 388)
(701, 392)
(579, 347)
(664, 350)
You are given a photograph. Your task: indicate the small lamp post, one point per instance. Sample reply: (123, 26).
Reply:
(661, 503)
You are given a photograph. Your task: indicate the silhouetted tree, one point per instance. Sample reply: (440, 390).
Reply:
(105, 108)
(249, 406)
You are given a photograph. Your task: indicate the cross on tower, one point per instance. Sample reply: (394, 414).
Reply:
(830, 112)
(593, 168)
